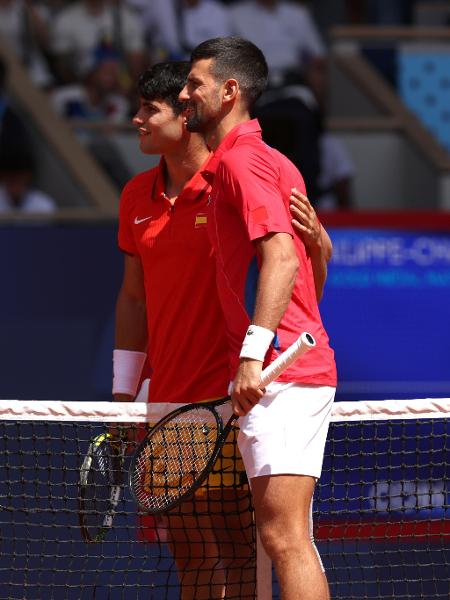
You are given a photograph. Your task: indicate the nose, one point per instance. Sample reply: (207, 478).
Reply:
(137, 119)
(183, 96)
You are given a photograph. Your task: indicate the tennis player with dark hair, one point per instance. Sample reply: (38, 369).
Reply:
(266, 288)
(168, 311)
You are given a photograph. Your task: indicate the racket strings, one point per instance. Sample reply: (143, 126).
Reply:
(102, 485)
(174, 458)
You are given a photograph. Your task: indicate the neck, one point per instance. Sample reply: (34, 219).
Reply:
(224, 126)
(183, 163)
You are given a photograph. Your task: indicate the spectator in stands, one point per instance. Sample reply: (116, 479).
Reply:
(80, 28)
(24, 27)
(159, 21)
(287, 35)
(200, 20)
(336, 175)
(291, 112)
(174, 27)
(16, 186)
(14, 137)
(98, 97)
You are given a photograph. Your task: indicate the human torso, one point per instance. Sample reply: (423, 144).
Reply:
(187, 344)
(250, 193)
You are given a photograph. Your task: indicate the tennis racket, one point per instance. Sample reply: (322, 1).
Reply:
(100, 486)
(178, 453)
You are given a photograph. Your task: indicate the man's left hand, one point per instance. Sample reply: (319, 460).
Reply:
(305, 220)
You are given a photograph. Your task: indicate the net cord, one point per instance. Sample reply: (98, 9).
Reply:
(137, 412)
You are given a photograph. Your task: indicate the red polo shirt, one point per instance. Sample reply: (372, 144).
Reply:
(250, 199)
(187, 350)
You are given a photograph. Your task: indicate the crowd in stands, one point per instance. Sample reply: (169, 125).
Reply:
(17, 162)
(88, 54)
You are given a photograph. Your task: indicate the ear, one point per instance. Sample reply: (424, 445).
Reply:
(230, 90)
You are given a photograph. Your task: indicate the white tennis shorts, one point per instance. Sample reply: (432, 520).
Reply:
(285, 432)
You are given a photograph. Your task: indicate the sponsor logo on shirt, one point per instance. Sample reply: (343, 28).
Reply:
(137, 220)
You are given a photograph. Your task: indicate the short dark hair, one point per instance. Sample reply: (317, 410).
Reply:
(164, 81)
(236, 57)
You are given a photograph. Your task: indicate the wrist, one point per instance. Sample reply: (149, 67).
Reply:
(127, 370)
(256, 343)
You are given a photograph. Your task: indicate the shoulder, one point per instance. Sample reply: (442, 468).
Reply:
(140, 183)
(249, 154)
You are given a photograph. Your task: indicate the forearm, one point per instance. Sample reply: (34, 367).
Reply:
(279, 265)
(130, 336)
(131, 323)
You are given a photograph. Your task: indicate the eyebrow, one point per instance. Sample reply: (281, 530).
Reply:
(150, 103)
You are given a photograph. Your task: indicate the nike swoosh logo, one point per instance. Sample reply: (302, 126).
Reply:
(137, 221)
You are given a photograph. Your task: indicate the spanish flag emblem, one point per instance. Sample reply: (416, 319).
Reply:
(201, 219)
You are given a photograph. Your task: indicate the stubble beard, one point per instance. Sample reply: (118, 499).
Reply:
(194, 123)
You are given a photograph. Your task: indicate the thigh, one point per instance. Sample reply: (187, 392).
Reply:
(282, 503)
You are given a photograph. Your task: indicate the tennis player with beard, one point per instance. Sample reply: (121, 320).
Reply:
(266, 287)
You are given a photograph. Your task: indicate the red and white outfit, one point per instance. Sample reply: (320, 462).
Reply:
(250, 199)
(187, 348)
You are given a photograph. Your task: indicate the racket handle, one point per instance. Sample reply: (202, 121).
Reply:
(304, 343)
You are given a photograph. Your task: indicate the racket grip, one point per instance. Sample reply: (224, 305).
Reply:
(304, 343)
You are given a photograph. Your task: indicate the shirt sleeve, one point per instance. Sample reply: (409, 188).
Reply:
(255, 193)
(125, 237)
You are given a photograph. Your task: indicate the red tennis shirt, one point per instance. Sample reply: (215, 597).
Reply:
(188, 349)
(250, 199)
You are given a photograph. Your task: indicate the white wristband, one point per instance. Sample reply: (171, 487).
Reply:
(127, 369)
(256, 342)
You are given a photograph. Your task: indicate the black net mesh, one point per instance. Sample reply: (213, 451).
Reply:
(381, 512)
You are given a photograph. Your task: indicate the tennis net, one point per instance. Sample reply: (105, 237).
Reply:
(381, 510)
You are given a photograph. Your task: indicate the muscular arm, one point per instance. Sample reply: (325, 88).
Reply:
(279, 265)
(131, 321)
(316, 239)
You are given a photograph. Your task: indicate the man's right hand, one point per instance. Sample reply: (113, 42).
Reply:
(125, 432)
(246, 386)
